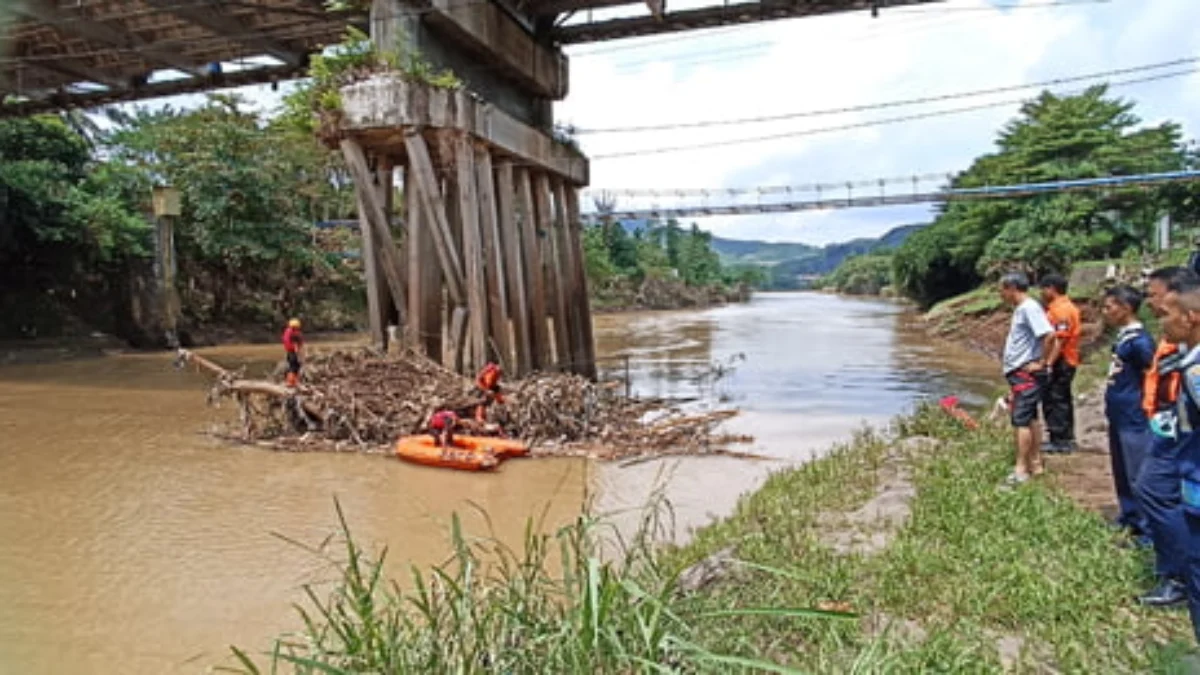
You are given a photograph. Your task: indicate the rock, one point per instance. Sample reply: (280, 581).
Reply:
(713, 569)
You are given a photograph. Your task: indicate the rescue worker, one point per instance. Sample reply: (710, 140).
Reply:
(1157, 485)
(1030, 340)
(441, 426)
(1181, 325)
(1058, 403)
(1128, 428)
(487, 387)
(293, 347)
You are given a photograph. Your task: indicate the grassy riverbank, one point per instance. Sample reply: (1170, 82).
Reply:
(922, 560)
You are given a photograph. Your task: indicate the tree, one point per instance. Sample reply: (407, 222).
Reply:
(1053, 138)
(250, 194)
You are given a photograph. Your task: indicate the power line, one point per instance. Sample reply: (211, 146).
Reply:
(868, 123)
(888, 104)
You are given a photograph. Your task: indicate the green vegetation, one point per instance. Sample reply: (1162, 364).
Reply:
(317, 104)
(77, 241)
(666, 260)
(865, 274)
(973, 568)
(1054, 138)
(785, 264)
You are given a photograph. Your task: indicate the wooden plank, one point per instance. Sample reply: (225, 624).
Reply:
(458, 339)
(575, 230)
(390, 308)
(424, 327)
(388, 256)
(499, 337)
(435, 211)
(374, 280)
(535, 281)
(510, 235)
(570, 283)
(473, 254)
(551, 267)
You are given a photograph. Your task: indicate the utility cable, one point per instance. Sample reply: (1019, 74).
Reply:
(869, 123)
(888, 104)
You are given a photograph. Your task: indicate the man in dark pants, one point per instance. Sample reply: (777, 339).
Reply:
(1128, 429)
(1157, 486)
(1181, 325)
(1058, 406)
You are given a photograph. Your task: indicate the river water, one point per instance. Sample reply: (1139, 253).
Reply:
(132, 542)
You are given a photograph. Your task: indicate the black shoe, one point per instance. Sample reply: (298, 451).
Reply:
(1167, 593)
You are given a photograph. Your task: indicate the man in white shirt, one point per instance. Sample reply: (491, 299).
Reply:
(1030, 341)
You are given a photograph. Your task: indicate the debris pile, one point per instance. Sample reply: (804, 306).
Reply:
(362, 400)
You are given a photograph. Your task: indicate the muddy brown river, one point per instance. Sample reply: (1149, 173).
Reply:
(132, 542)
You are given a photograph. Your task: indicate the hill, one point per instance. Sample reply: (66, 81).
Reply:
(791, 262)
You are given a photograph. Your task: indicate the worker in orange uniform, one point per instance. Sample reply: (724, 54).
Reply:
(441, 426)
(487, 387)
(1058, 403)
(293, 347)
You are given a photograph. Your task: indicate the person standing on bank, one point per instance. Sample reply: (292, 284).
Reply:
(1128, 429)
(1181, 426)
(1058, 405)
(1030, 341)
(1157, 486)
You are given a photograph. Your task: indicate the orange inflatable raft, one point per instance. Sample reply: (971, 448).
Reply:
(469, 453)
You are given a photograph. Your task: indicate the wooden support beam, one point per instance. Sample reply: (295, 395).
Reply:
(424, 326)
(231, 29)
(434, 210)
(391, 308)
(472, 250)
(575, 229)
(458, 339)
(551, 270)
(499, 337)
(74, 24)
(84, 73)
(569, 285)
(385, 248)
(510, 234)
(377, 329)
(535, 280)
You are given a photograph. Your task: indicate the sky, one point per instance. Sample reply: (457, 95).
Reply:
(850, 60)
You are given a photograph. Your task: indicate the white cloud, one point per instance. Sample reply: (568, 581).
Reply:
(847, 60)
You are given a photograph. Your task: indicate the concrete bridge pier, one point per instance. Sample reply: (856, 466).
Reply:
(489, 265)
(490, 262)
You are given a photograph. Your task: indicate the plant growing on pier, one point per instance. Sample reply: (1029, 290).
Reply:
(317, 104)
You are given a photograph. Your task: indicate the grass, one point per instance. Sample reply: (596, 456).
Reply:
(982, 300)
(973, 568)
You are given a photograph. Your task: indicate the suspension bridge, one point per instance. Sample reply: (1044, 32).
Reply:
(699, 203)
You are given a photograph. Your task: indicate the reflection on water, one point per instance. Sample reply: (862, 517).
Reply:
(816, 368)
(131, 542)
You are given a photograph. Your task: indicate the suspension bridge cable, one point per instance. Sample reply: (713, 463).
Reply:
(866, 201)
(870, 123)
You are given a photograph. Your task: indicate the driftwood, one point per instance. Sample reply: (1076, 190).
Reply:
(364, 400)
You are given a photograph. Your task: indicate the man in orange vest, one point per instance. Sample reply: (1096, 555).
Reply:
(1157, 485)
(487, 386)
(293, 347)
(1058, 405)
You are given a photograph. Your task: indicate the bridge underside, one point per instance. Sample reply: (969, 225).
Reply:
(57, 54)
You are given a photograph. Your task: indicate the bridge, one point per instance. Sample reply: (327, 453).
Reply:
(491, 265)
(879, 197)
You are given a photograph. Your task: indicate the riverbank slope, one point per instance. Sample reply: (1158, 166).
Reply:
(898, 552)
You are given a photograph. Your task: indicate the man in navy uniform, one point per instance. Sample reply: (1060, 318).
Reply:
(1181, 324)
